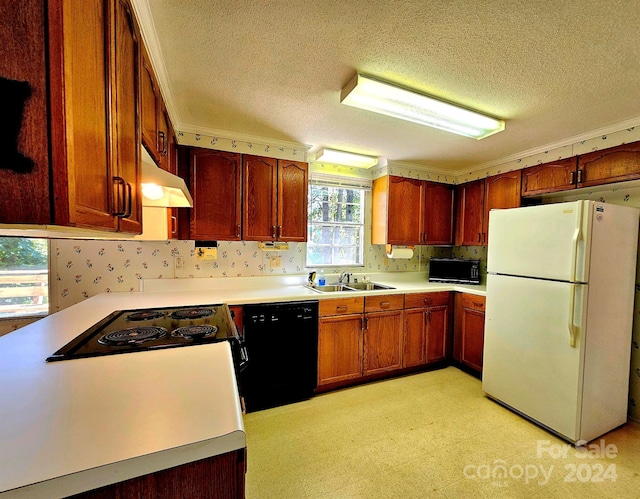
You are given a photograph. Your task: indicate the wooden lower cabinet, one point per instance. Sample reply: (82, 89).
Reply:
(339, 348)
(382, 342)
(218, 477)
(469, 330)
(427, 322)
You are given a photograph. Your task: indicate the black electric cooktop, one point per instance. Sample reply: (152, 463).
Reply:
(126, 331)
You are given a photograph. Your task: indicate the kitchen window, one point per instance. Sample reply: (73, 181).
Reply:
(336, 226)
(24, 277)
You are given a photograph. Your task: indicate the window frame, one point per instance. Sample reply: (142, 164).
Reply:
(46, 297)
(360, 225)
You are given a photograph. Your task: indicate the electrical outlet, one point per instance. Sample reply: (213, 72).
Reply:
(276, 262)
(178, 262)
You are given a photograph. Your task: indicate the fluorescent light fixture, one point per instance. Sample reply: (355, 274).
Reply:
(375, 95)
(345, 158)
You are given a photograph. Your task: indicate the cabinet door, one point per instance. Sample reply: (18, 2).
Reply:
(25, 196)
(83, 175)
(339, 348)
(470, 214)
(215, 187)
(437, 321)
(404, 210)
(125, 129)
(260, 198)
(438, 214)
(550, 177)
(501, 191)
(149, 106)
(293, 184)
(162, 142)
(615, 164)
(415, 337)
(382, 342)
(472, 337)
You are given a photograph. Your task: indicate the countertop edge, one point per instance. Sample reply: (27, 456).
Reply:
(130, 468)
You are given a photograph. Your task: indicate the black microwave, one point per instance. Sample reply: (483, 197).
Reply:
(454, 270)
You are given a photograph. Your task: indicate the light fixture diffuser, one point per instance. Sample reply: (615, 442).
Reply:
(375, 95)
(345, 158)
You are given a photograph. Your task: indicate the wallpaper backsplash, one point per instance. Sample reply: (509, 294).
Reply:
(80, 269)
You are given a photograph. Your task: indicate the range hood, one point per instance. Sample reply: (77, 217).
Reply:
(161, 188)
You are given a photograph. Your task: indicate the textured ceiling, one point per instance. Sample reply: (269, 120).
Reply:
(274, 69)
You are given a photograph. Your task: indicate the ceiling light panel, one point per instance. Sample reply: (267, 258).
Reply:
(375, 95)
(345, 158)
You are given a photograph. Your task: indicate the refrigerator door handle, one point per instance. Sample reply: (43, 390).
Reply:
(577, 235)
(573, 329)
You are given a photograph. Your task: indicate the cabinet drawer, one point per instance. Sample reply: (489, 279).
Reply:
(341, 306)
(473, 302)
(383, 302)
(420, 300)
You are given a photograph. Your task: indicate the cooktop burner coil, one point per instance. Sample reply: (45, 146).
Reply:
(192, 313)
(195, 332)
(133, 335)
(144, 315)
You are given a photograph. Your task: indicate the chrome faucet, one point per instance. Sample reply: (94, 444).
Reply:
(344, 277)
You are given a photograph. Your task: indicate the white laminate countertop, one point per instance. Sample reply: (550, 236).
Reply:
(71, 426)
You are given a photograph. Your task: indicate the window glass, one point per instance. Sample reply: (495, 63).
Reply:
(336, 226)
(24, 277)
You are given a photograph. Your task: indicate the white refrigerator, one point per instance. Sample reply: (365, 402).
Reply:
(559, 312)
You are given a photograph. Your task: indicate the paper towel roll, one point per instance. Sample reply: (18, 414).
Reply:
(405, 253)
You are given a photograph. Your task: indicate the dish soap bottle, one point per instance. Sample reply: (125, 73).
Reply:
(321, 280)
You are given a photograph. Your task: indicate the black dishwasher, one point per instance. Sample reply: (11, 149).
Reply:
(282, 342)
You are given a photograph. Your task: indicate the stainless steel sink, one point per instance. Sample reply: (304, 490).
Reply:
(368, 286)
(330, 288)
(357, 286)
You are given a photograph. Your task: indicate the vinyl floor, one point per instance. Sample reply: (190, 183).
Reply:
(433, 434)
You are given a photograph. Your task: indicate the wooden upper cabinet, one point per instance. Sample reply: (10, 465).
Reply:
(477, 198)
(549, 177)
(275, 199)
(163, 137)
(155, 122)
(148, 105)
(293, 187)
(260, 188)
(125, 124)
(83, 57)
(438, 214)
(216, 179)
(501, 191)
(394, 198)
(615, 164)
(470, 213)
(409, 211)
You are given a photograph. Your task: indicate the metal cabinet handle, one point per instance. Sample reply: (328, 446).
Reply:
(579, 176)
(342, 308)
(174, 224)
(479, 237)
(237, 230)
(428, 301)
(162, 143)
(123, 198)
(278, 231)
(572, 178)
(477, 304)
(385, 304)
(273, 231)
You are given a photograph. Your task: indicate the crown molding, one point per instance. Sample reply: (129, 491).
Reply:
(151, 42)
(576, 139)
(243, 137)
